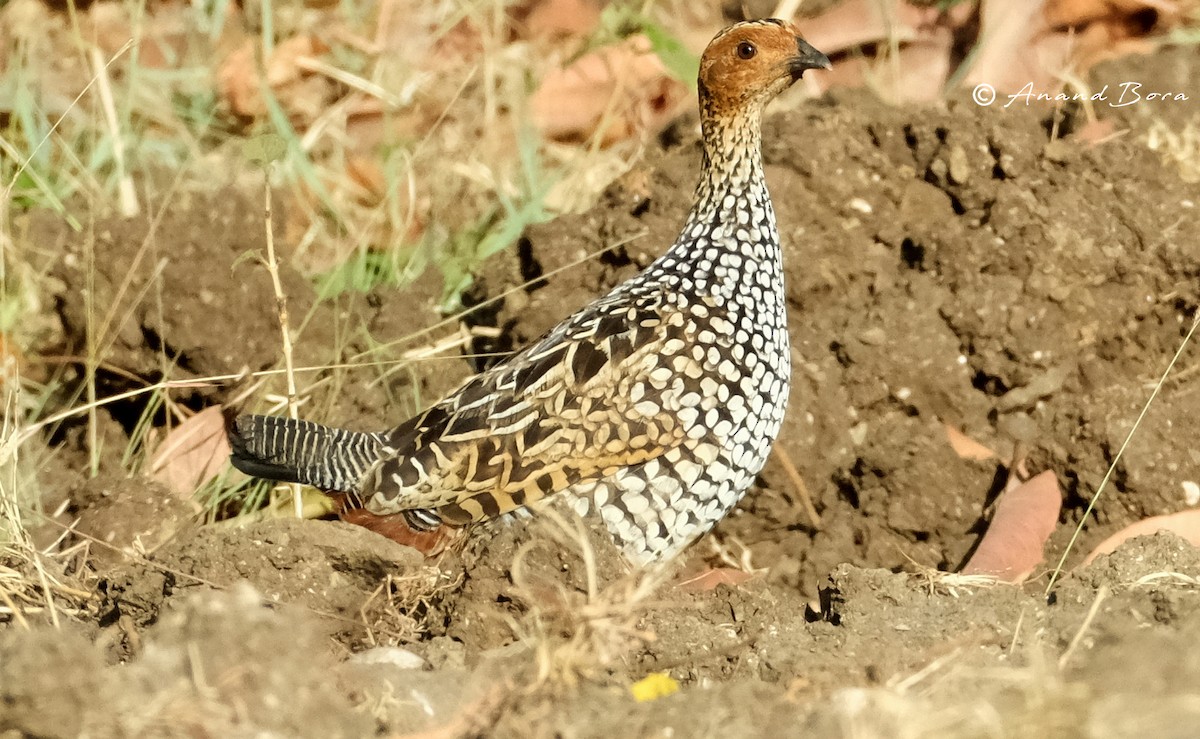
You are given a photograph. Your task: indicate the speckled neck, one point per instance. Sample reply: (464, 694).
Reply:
(730, 242)
(731, 158)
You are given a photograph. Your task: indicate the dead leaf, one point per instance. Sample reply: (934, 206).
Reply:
(1185, 523)
(1026, 515)
(710, 578)
(367, 174)
(12, 362)
(1094, 133)
(557, 18)
(1016, 49)
(1066, 13)
(302, 94)
(966, 447)
(193, 453)
(923, 69)
(855, 23)
(612, 92)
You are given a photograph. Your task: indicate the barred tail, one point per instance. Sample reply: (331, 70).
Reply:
(276, 448)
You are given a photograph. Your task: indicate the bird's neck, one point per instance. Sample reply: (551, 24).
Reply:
(730, 234)
(732, 154)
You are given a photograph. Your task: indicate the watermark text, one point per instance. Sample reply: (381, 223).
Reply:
(1115, 96)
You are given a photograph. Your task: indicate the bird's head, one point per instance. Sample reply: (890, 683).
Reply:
(749, 63)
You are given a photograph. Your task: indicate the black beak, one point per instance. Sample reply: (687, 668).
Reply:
(806, 58)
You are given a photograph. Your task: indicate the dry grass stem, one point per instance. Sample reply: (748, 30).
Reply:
(1120, 453)
(285, 333)
(127, 202)
(600, 624)
(802, 494)
(25, 161)
(1101, 594)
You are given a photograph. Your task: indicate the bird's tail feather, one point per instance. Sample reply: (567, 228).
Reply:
(276, 448)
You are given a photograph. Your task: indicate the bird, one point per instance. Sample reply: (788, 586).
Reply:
(649, 412)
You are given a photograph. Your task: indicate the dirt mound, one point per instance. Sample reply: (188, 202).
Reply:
(176, 288)
(884, 652)
(220, 663)
(366, 589)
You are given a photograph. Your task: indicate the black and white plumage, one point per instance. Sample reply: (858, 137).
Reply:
(652, 409)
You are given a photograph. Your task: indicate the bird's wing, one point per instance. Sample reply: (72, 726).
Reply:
(611, 387)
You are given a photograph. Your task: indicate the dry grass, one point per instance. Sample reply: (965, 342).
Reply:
(579, 635)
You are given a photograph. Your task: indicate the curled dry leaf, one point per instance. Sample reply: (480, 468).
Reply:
(368, 175)
(1014, 544)
(612, 93)
(1185, 523)
(193, 453)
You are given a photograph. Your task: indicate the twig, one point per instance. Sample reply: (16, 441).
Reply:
(1101, 594)
(126, 195)
(1120, 453)
(798, 483)
(14, 610)
(272, 265)
(46, 591)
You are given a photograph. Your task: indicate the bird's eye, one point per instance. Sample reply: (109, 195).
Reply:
(746, 50)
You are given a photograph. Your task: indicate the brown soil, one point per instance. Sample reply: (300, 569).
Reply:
(947, 265)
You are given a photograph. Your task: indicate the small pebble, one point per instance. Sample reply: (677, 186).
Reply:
(1191, 492)
(396, 656)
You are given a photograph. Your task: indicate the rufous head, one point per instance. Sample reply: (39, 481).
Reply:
(749, 63)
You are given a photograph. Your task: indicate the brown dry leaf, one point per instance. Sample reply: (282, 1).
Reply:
(237, 82)
(367, 174)
(923, 35)
(966, 447)
(302, 94)
(193, 453)
(612, 92)
(851, 24)
(923, 69)
(1094, 133)
(710, 578)
(557, 18)
(1065, 13)
(12, 362)
(1185, 523)
(162, 37)
(371, 124)
(1026, 515)
(1016, 48)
